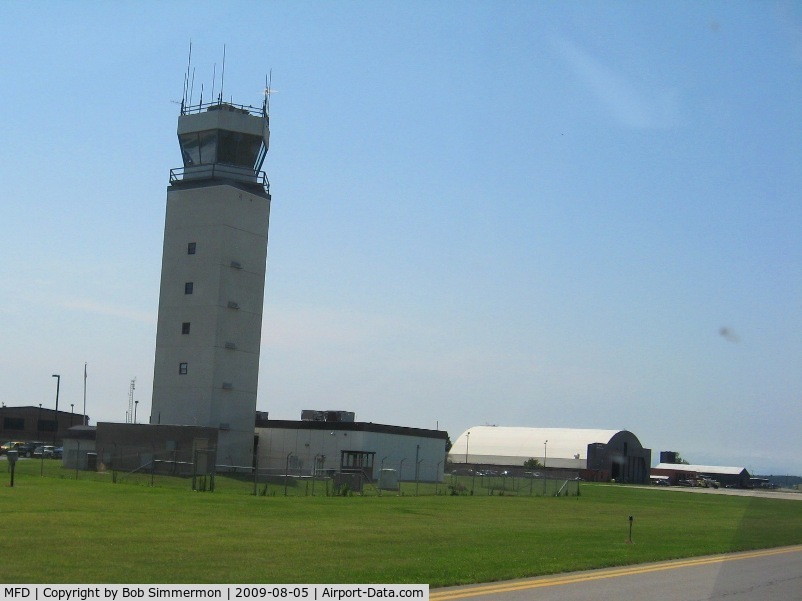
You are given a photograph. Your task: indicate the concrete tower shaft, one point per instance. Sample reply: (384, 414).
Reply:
(213, 274)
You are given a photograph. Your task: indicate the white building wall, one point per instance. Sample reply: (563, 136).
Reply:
(401, 452)
(303, 449)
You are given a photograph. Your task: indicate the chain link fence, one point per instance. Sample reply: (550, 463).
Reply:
(196, 471)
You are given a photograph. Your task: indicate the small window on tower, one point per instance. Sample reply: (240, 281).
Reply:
(188, 288)
(191, 248)
(182, 369)
(185, 327)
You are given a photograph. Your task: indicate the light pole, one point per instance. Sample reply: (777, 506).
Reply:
(545, 477)
(58, 385)
(467, 442)
(136, 406)
(83, 418)
(545, 447)
(72, 412)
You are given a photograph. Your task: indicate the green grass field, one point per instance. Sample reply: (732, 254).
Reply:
(61, 530)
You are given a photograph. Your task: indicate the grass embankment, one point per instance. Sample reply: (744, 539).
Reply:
(68, 531)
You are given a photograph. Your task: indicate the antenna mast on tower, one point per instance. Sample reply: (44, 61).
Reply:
(129, 415)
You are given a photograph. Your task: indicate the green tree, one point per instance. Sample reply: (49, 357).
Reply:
(532, 464)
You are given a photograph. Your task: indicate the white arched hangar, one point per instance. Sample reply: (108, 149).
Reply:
(599, 455)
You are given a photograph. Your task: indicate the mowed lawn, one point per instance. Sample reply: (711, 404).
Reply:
(82, 531)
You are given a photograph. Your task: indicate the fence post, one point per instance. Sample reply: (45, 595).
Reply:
(213, 473)
(400, 472)
(287, 472)
(314, 472)
(255, 473)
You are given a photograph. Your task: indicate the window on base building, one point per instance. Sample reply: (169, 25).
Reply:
(13, 423)
(191, 248)
(46, 425)
(188, 288)
(182, 369)
(185, 327)
(351, 461)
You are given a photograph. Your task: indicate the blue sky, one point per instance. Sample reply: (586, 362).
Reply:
(540, 214)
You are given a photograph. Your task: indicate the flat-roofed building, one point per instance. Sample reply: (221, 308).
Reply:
(726, 476)
(29, 423)
(319, 447)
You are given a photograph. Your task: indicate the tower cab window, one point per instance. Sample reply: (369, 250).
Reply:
(219, 146)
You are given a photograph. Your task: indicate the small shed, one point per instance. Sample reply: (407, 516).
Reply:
(80, 448)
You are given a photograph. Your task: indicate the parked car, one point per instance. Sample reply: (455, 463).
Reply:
(11, 445)
(462, 471)
(708, 482)
(58, 452)
(27, 449)
(44, 451)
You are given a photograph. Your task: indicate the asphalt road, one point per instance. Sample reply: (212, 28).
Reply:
(789, 495)
(768, 575)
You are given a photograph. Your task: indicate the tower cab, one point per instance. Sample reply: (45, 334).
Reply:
(222, 141)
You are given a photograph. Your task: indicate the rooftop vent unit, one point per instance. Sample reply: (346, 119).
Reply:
(312, 415)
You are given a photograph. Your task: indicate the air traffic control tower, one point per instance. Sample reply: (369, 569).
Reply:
(213, 276)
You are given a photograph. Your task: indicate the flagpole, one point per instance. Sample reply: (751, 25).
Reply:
(84, 394)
